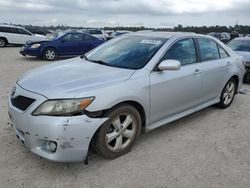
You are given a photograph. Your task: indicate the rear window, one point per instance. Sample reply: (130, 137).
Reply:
(208, 49)
(95, 32)
(240, 45)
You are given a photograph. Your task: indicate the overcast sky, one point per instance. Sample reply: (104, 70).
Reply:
(149, 13)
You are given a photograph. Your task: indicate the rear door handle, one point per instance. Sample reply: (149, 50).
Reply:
(197, 72)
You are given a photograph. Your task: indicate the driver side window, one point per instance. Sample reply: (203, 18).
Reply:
(73, 37)
(183, 51)
(67, 37)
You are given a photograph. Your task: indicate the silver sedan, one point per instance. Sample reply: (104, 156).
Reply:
(104, 99)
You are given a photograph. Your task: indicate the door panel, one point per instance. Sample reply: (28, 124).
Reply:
(215, 74)
(24, 35)
(87, 43)
(69, 44)
(215, 68)
(69, 48)
(175, 91)
(13, 35)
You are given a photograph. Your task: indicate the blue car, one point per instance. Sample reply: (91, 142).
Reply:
(62, 44)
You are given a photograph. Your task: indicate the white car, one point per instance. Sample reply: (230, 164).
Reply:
(96, 33)
(10, 34)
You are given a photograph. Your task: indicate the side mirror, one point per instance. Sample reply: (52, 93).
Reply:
(62, 41)
(169, 64)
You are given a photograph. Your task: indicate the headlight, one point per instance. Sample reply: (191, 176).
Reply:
(63, 107)
(35, 45)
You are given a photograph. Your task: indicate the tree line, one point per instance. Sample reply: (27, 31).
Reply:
(244, 29)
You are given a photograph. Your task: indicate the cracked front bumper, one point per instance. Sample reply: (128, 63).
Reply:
(72, 135)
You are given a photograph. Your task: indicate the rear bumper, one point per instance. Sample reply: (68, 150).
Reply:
(72, 135)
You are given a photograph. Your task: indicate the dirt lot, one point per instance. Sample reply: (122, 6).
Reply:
(208, 149)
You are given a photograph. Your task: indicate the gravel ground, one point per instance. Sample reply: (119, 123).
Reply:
(210, 148)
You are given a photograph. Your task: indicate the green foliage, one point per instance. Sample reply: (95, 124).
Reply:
(244, 29)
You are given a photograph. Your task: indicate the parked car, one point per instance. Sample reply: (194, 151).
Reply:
(10, 34)
(37, 31)
(116, 34)
(106, 97)
(62, 44)
(242, 47)
(98, 33)
(234, 34)
(223, 37)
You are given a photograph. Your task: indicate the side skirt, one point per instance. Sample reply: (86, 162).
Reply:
(182, 114)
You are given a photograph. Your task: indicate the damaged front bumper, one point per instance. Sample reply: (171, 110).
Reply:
(71, 135)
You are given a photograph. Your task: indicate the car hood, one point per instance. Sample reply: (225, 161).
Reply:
(68, 79)
(245, 55)
(37, 37)
(37, 41)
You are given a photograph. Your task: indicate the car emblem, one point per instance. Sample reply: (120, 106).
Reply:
(13, 91)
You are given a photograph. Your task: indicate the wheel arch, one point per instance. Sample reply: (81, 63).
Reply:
(49, 47)
(136, 105)
(46, 47)
(237, 81)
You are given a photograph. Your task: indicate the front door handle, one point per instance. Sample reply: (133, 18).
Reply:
(229, 64)
(197, 72)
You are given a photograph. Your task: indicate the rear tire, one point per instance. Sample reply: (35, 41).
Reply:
(3, 42)
(50, 54)
(119, 133)
(228, 94)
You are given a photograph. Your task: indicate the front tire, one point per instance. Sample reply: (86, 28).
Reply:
(119, 133)
(228, 94)
(49, 54)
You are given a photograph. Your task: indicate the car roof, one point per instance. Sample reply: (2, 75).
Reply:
(76, 32)
(13, 26)
(73, 32)
(242, 38)
(164, 34)
(93, 29)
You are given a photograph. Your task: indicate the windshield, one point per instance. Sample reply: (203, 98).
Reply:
(116, 34)
(130, 52)
(240, 45)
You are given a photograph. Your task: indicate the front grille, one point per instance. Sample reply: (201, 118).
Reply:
(21, 102)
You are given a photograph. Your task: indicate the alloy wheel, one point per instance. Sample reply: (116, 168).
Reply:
(228, 94)
(121, 132)
(50, 54)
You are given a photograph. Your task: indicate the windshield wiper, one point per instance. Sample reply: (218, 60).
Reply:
(84, 57)
(94, 61)
(99, 62)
